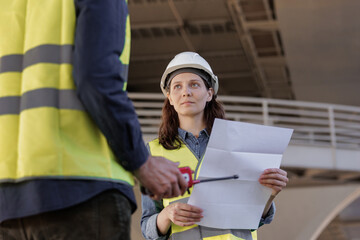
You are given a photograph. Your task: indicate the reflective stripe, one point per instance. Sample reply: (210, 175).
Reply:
(181, 200)
(44, 97)
(193, 234)
(240, 233)
(201, 232)
(124, 75)
(9, 105)
(57, 54)
(17, 180)
(11, 63)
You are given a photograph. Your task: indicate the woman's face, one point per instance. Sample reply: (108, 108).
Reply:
(188, 94)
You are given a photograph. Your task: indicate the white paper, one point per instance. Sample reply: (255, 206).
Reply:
(246, 150)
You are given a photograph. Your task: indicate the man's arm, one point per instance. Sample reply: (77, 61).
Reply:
(99, 76)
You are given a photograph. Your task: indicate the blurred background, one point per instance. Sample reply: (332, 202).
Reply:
(286, 63)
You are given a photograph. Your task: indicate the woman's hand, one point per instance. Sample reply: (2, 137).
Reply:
(274, 178)
(181, 214)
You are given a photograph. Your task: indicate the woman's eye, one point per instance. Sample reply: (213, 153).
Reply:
(195, 85)
(177, 87)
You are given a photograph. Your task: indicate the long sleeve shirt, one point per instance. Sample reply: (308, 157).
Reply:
(100, 78)
(151, 209)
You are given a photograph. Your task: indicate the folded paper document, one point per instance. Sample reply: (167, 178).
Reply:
(242, 149)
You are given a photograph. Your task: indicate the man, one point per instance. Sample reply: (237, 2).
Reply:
(64, 174)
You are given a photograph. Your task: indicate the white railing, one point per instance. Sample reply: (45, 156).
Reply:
(316, 124)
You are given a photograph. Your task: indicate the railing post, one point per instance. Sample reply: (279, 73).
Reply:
(265, 112)
(332, 126)
(332, 134)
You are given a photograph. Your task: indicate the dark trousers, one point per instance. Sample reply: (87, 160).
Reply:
(106, 216)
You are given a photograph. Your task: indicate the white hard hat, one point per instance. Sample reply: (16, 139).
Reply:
(188, 60)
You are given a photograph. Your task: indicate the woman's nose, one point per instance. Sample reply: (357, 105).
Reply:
(186, 91)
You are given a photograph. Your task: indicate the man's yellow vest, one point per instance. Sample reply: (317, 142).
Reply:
(187, 159)
(44, 130)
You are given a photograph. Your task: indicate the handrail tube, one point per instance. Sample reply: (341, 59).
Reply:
(319, 124)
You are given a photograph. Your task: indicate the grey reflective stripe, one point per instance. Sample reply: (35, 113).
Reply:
(9, 105)
(44, 97)
(240, 233)
(182, 200)
(11, 63)
(124, 71)
(18, 180)
(193, 234)
(201, 232)
(48, 53)
(198, 167)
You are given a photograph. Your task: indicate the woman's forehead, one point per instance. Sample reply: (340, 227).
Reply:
(185, 76)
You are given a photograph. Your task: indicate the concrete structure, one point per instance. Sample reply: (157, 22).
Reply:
(309, 210)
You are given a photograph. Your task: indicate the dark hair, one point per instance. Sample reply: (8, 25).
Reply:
(168, 132)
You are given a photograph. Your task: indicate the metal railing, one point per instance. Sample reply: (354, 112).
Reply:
(318, 124)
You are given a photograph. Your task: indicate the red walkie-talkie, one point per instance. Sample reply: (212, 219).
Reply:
(187, 174)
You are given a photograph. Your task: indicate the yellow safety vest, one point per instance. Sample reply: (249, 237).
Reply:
(44, 130)
(195, 232)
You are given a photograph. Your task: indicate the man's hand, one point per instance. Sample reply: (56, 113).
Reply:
(161, 177)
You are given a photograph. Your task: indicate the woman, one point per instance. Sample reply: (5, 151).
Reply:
(189, 111)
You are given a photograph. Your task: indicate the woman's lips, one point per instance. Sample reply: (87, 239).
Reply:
(186, 103)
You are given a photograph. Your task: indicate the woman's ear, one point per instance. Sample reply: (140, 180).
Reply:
(168, 96)
(210, 94)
